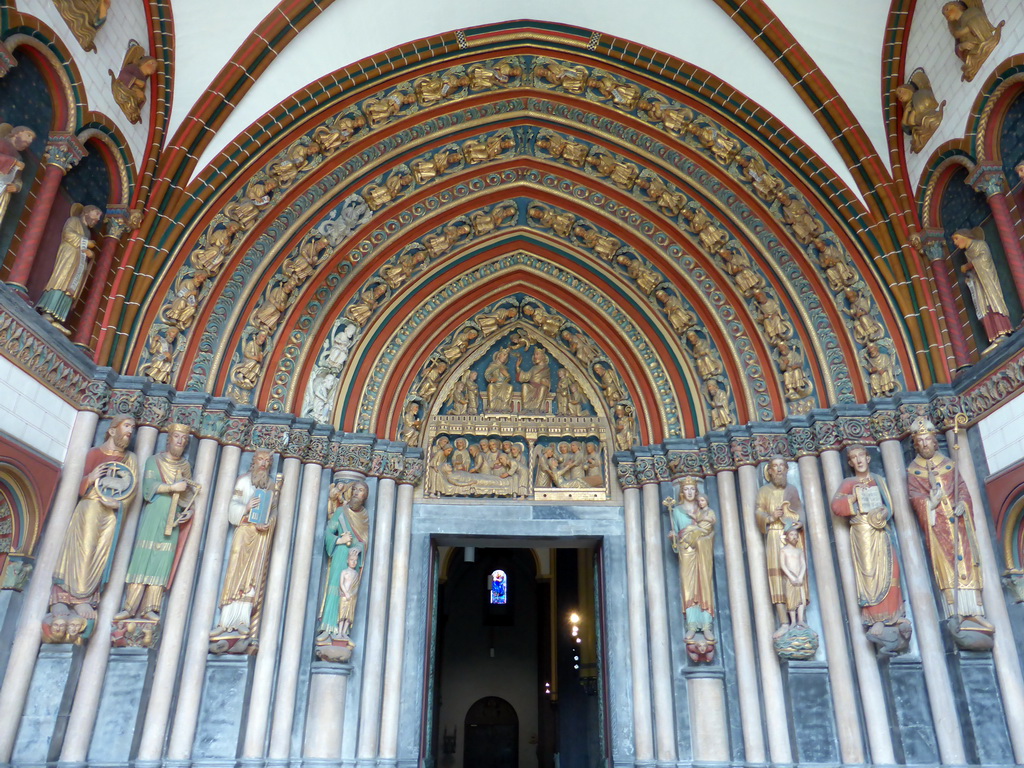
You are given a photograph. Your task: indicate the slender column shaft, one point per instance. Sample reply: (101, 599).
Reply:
(396, 624)
(376, 620)
(270, 621)
(94, 668)
(29, 632)
(939, 260)
(1008, 238)
(872, 695)
(97, 287)
(643, 733)
(657, 613)
(197, 647)
(739, 613)
(291, 641)
(175, 615)
(1005, 652)
(764, 620)
(327, 691)
(926, 619)
(708, 722)
(851, 742)
(21, 270)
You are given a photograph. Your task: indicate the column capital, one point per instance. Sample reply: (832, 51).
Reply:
(412, 471)
(116, 220)
(7, 60)
(988, 179)
(932, 242)
(355, 457)
(626, 473)
(64, 151)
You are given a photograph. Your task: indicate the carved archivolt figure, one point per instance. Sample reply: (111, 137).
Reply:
(13, 141)
(258, 196)
(411, 422)
(974, 34)
(864, 500)
(718, 402)
(838, 273)
(707, 365)
(253, 513)
(737, 263)
(571, 79)
(548, 322)
(646, 279)
(881, 375)
(572, 152)
(625, 427)
(755, 171)
(129, 85)
(692, 535)
(922, 112)
(795, 213)
(795, 383)
(84, 18)
(945, 513)
(865, 327)
(370, 297)
(161, 356)
(110, 482)
(211, 256)
(983, 282)
(71, 266)
(609, 381)
(247, 373)
(603, 246)
(582, 346)
(680, 318)
(769, 314)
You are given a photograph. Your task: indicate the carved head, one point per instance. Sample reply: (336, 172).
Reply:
(360, 491)
(21, 137)
(858, 459)
(177, 440)
(777, 469)
(120, 431)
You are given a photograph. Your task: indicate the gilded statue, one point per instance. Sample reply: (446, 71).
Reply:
(129, 85)
(424, 169)
(84, 18)
(548, 322)
(881, 374)
(570, 79)
(485, 222)
(439, 244)
(622, 173)
(582, 346)
(572, 152)
(795, 383)
(379, 195)
(71, 266)
(723, 148)
(490, 322)
(983, 283)
(110, 482)
(369, 298)
(769, 314)
(646, 279)
(712, 237)
(831, 259)
(164, 525)
(211, 256)
(676, 120)
(679, 317)
(380, 110)
(658, 192)
(865, 328)
(624, 96)
(561, 223)
(499, 383)
(536, 381)
(864, 501)
(604, 246)
(461, 342)
(806, 228)
(433, 90)
(483, 77)
(692, 535)
(736, 263)
(346, 537)
(300, 157)
(465, 395)
(333, 136)
(718, 404)
(252, 512)
(431, 377)
(973, 33)
(609, 381)
(276, 303)
(13, 141)
(302, 266)
(161, 356)
(477, 151)
(625, 426)
(755, 171)
(922, 112)
(246, 374)
(707, 366)
(405, 264)
(409, 431)
(258, 195)
(945, 512)
(778, 512)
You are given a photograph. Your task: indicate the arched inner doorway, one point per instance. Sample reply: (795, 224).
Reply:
(492, 734)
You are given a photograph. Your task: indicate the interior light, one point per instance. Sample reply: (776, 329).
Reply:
(574, 618)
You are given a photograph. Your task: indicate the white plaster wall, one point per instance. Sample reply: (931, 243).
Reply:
(697, 31)
(32, 414)
(1002, 434)
(931, 46)
(125, 21)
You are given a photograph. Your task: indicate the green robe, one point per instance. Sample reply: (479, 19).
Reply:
(153, 555)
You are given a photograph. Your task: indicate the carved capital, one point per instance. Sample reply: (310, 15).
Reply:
(392, 466)
(988, 179)
(64, 151)
(885, 425)
(932, 242)
(627, 475)
(213, 424)
(803, 442)
(721, 457)
(319, 450)
(269, 437)
(155, 410)
(116, 220)
(352, 457)
(412, 471)
(125, 402)
(189, 414)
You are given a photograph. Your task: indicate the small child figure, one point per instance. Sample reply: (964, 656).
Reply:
(794, 568)
(349, 586)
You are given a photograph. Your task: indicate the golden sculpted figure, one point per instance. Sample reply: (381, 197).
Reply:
(806, 228)
(756, 173)
(409, 431)
(769, 315)
(830, 257)
(922, 112)
(13, 141)
(465, 395)
(211, 256)
(369, 298)
(865, 327)
(485, 78)
(723, 148)
(345, 540)
(71, 267)
(625, 427)
(164, 525)
(863, 500)
(795, 383)
(646, 279)
(680, 318)
(778, 512)
(253, 513)
(676, 120)
(942, 503)
(609, 381)
(129, 85)
(258, 195)
(276, 303)
(603, 246)
(84, 18)
(571, 79)
(499, 383)
(330, 138)
(707, 365)
(182, 310)
(718, 403)
(572, 152)
(432, 90)
(246, 374)
(549, 323)
(983, 282)
(536, 381)
(692, 535)
(881, 376)
(973, 33)
(736, 262)
(161, 356)
(83, 564)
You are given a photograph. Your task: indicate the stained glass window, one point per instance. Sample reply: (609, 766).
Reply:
(499, 588)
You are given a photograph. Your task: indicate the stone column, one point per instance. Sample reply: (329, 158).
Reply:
(657, 614)
(872, 695)
(935, 248)
(97, 285)
(204, 605)
(739, 614)
(94, 668)
(776, 721)
(28, 635)
(376, 621)
(1005, 651)
(851, 742)
(396, 624)
(298, 592)
(328, 687)
(261, 693)
(63, 152)
(709, 725)
(989, 180)
(922, 601)
(643, 732)
(176, 610)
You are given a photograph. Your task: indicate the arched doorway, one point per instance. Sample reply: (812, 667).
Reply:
(492, 734)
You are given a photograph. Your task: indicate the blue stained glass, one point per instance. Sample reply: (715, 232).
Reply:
(499, 588)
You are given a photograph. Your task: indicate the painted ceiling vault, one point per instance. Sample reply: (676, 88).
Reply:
(700, 203)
